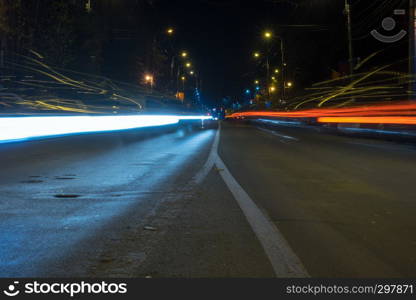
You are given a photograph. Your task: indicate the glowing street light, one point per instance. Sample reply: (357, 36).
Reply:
(183, 78)
(192, 72)
(290, 84)
(272, 89)
(276, 71)
(256, 82)
(256, 54)
(188, 65)
(268, 35)
(170, 31)
(148, 78)
(184, 54)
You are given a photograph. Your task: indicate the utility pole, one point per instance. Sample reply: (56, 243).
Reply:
(412, 48)
(350, 49)
(282, 50)
(268, 74)
(178, 75)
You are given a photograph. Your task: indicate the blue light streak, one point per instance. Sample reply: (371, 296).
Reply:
(279, 122)
(13, 129)
(369, 130)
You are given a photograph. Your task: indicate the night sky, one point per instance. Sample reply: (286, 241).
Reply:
(222, 35)
(126, 39)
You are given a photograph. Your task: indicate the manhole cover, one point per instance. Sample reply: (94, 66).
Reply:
(32, 181)
(64, 178)
(67, 196)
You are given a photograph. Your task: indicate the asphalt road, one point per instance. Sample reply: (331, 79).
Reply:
(128, 205)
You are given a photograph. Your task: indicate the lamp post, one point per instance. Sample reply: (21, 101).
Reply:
(184, 55)
(183, 78)
(268, 35)
(170, 33)
(258, 55)
(149, 80)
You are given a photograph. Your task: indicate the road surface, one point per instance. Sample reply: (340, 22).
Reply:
(244, 202)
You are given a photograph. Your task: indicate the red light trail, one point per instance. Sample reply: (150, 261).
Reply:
(401, 113)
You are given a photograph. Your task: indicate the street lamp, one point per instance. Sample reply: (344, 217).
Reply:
(183, 54)
(170, 31)
(256, 82)
(290, 84)
(183, 78)
(256, 54)
(149, 80)
(268, 35)
(188, 65)
(192, 72)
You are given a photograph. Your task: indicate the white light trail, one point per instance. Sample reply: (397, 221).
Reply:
(23, 128)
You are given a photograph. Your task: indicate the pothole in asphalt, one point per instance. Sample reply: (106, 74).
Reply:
(32, 181)
(106, 260)
(67, 196)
